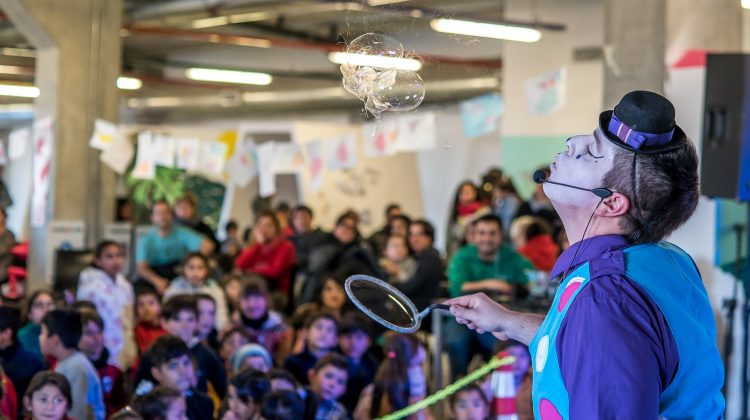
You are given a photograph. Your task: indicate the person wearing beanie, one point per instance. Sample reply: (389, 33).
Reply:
(251, 355)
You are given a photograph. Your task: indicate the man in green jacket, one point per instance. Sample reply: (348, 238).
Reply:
(487, 265)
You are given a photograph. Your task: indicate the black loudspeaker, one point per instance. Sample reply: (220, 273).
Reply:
(725, 159)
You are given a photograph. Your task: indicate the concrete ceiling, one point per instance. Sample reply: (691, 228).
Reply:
(162, 38)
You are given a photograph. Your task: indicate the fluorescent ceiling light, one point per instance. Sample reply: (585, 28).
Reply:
(129, 83)
(375, 61)
(487, 30)
(21, 91)
(745, 4)
(228, 76)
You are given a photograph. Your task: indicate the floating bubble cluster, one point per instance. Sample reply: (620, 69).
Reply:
(377, 82)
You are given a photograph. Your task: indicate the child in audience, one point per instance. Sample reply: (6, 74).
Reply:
(263, 325)
(172, 367)
(61, 332)
(207, 332)
(354, 343)
(470, 403)
(399, 381)
(322, 336)
(48, 397)
(251, 356)
(92, 345)
(532, 237)
(37, 305)
(246, 392)
(328, 382)
(230, 342)
(396, 260)
(181, 320)
(331, 298)
(20, 364)
(162, 403)
(104, 285)
(282, 405)
(194, 280)
(148, 313)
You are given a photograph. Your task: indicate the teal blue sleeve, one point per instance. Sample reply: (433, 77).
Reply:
(190, 238)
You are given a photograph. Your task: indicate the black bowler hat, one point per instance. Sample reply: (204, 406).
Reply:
(643, 122)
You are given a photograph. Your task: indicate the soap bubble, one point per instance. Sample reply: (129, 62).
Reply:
(381, 89)
(376, 44)
(398, 90)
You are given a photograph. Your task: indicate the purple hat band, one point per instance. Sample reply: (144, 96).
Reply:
(637, 139)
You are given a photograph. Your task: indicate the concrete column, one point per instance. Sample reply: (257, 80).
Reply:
(634, 46)
(78, 61)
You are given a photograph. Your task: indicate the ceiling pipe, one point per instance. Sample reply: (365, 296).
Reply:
(266, 42)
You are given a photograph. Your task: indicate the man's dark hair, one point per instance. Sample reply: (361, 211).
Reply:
(427, 228)
(663, 191)
(390, 207)
(166, 348)
(282, 405)
(230, 225)
(490, 218)
(66, 324)
(304, 208)
(10, 317)
(87, 315)
(177, 304)
(155, 404)
(332, 359)
(347, 216)
(283, 207)
(251, 385)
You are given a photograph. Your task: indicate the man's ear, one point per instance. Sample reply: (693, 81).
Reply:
(618, 204)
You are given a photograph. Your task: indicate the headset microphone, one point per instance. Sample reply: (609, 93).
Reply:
(540, 177)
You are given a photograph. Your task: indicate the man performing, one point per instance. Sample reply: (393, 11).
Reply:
(631, 333)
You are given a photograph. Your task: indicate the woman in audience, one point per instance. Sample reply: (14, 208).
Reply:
(466, 208)
(271, 256)
(261, 324)
(104, 285)
(48, 397)
(400, 380)
(37, 305)
(396, 260)
(195, 280)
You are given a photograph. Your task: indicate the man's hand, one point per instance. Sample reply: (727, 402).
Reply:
(480, 313)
